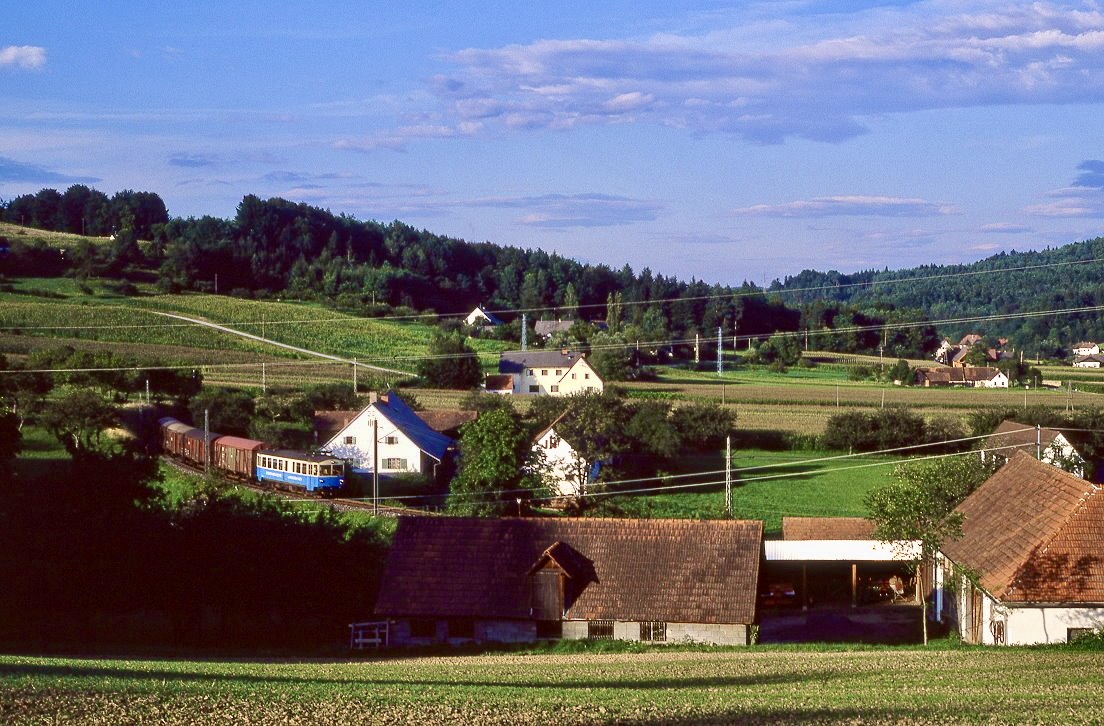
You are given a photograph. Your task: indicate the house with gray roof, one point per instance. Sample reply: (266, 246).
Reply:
(548, 373)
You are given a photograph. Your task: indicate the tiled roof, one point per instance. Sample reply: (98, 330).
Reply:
(328, 423)
(1034, 534)
(1092, 357)
(516, 361)
(442, 420)
(957, 375)
(547, 327)
(500, 382)
(1021, 436)
(643, 569)
(844, 528)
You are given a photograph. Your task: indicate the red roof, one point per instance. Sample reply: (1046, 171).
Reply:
(838, 528)
(640, 569)
(1034, 533)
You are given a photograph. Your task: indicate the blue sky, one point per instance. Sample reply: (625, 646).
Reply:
(721, 141)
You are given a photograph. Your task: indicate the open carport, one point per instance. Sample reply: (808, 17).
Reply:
(828, 579)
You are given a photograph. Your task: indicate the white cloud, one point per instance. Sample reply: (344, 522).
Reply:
(1004, 228)
(29, 57)
(854, 205)
(817, 76)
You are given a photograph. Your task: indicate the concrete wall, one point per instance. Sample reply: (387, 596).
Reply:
(708, 633)
(485, 631)
(576, 378)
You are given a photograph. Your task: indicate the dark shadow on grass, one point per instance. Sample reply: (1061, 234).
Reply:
(113, 672)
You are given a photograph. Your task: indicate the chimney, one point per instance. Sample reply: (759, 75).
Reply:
(372, 397)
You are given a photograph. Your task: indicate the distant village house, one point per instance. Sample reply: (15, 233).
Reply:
(546, 373)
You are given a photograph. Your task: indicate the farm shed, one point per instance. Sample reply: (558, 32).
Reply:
(1029, 567)
(834, 560)
(459, 580)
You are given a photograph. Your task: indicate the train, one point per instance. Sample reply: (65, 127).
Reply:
(252, 460)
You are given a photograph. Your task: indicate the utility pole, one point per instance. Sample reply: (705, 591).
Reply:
(354, 375)
(148, 400)
(720, 351)
(375, 465)
(206, 439)
(697, 348)
(1038, 442)
(806, 340)
(216, 283)
(524, 332)
(728, 475)
(264, 379)
(837, 395)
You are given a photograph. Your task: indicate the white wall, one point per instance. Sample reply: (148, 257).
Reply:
(708, 633)
(1030, 625)
(562, 381)
(560, 464)
(360, 451)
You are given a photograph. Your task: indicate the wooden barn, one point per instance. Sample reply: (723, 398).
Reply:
(456, 580)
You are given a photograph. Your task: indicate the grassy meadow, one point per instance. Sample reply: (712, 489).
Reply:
(768, 485)
(659, 685)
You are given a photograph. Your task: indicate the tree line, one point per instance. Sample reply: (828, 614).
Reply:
(277, 247)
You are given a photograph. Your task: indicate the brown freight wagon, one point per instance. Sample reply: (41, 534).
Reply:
(197, 445)
(172, 436)
(235, 455)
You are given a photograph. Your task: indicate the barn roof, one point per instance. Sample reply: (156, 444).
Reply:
(516, 361)
(643, 569)
(1034, 533)
(827, 528)
(1021, 436)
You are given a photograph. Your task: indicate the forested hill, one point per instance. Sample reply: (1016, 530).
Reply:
(1070, 276)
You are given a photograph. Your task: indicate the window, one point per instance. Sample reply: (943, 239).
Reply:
(461, 628)
(559, 372)
(394, 464)
(555, 389)
(391, 440)
(534, 388)
(529, 372)
(423, 628)
(572, 376)
(350, 439)
(600, 630)
(1073, 634)
(653, 632)
(553, 441)
(586, 376)
(544, 372)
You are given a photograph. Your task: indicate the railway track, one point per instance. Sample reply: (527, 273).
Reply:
(340, 504)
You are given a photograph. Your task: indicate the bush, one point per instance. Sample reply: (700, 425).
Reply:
(886, 428)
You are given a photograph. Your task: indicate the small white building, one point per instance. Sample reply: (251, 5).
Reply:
(1086, 347)
(565, 472)
(480, 317)
(1028, 568)
(549, 373)
(1088, 360)
(405, 443)
(1045, 444)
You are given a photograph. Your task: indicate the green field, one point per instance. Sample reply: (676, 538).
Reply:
(769, 485)
(780, 685)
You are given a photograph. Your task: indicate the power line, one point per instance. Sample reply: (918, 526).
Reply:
(552, 308)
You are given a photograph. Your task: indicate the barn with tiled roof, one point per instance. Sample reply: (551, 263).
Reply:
(517, 580)
(1029, 567)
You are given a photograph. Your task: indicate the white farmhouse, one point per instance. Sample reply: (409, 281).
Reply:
(565, 472)
(1089, 360)
(1086, 347)
(549, 372)
(404, 442)
(1049, 446)
(480, 317)
(1028, 567)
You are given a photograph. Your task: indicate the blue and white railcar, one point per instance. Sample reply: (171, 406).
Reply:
(300, 471)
